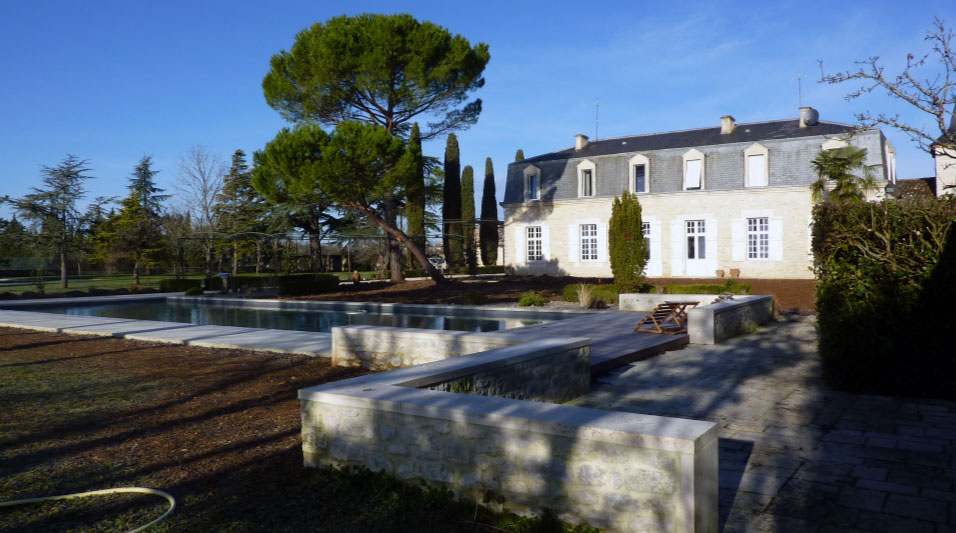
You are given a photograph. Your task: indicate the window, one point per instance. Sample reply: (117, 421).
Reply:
(532, 183)
(533, 239)
(640, 178)
(589, 243)
(693, 170)
(532, 187)
(758, 238)
(646, 232)
(757, 166)
(587, 182)
(692, 175)
(696, 242)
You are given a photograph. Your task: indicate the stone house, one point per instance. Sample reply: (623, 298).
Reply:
(714, 200)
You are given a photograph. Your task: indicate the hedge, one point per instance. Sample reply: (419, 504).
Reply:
(178, 285)
(886, 295)
(288, 284)
(702, 288)
(608, 292)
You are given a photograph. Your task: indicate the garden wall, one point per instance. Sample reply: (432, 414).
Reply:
(613, 470)
(710, 323)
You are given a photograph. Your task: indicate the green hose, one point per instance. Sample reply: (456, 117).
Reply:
(140, 490)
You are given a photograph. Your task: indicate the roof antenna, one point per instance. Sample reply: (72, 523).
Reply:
(800, 77)
(597, 105)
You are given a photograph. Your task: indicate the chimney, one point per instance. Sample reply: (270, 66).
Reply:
(808, 117)
(727, 124)
(580, 141)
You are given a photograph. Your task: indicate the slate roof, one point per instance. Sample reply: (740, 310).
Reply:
(917, 188)
(753, 132)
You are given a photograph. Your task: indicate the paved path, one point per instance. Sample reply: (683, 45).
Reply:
(794, 454)
(270, 340)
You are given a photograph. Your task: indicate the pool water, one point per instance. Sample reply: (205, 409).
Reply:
(298, 320)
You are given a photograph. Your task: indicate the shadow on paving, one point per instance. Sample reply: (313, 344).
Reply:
(796, 455)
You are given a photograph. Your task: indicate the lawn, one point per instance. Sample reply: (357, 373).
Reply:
(217, 429)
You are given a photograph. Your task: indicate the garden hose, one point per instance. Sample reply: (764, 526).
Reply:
(140, 490)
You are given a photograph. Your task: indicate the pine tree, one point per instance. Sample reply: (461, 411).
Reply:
(627, 249)
(415, 189)
(488, 227)
(141, 183)
(468, 218)
(519, 155)
(451, 205)
(239, 209)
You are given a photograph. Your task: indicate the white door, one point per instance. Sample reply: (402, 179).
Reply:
(695, 248)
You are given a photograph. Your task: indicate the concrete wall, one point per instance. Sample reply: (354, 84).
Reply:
(709, 322)
(612, 470)
(385, 348)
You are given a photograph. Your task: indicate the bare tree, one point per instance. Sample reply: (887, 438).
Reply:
(200, 180)
(927, 82)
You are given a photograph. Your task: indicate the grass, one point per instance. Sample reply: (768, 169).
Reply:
(217, 429)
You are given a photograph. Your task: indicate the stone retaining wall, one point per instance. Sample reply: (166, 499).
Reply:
(613, 470)
(710, 323)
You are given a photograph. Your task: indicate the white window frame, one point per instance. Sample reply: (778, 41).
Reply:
(640, 159)
(532, 175)
(758, 239)
(833, 144)
(583, 166)
(534, 243)
(696, 230)
(646, 233)
(757, 149)
(588, 237)
(694, 155)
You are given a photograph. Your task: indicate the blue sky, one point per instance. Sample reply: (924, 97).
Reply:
(113, 81)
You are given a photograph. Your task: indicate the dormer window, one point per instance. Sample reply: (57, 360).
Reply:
(532, 183)
(756, 166)
(587, 180)
(640, 174)
(693, 170)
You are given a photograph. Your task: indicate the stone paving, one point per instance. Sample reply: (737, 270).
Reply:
(796, 455)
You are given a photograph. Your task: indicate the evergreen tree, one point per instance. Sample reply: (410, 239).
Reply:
(141, 182)
(451, 205)
(14, 241)
(468, 218)
(239, 210)
(53, 210)
(519, 155)
(488, 227)
(627, 249)
(415, 190)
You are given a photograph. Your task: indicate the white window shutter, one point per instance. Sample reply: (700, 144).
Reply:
(546, 242)
(573, 244)
(776, 238)
(657, 254)
(738, 235)
(519, 245)
(693, 174)
(602, 243)
(677, 248)
(712, 249)
(758, 166)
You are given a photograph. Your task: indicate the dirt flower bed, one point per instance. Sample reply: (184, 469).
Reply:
(217, 429)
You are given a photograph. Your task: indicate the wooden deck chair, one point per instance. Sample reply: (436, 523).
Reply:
(668, 318)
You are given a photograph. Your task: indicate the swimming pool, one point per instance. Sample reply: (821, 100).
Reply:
(317, 320)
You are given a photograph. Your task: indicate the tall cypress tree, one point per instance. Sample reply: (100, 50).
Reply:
(468, 218)
(519, 155)
(627, 249)
(451, 206)
(488, 227)
(415, 189)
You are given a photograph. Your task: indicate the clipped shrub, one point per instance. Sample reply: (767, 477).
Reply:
(532, 299)
(212, 283)
(474, 298)
(627, 250)
(178, 285)
(703, 288)
(608, 293)
(886, 283)
(194, 291)
(301, 284)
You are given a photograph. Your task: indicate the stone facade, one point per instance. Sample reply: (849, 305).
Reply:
(613, 470)
(945, 170)
(721, 208)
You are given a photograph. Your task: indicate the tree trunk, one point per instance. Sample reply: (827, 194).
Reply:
(394, 247)
(136, 272)
(416, 252)
(63, 281)
(235, 260)
(258, 257)
(79, 268)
